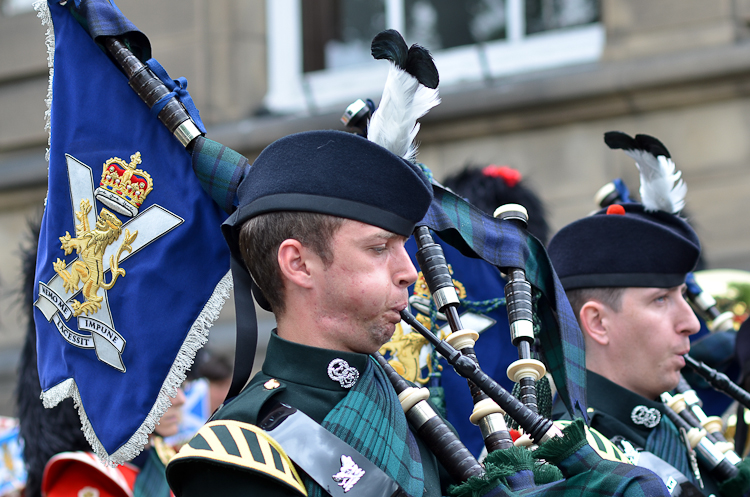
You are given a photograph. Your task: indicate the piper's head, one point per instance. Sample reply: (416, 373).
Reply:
(624, 271)
(312, 209)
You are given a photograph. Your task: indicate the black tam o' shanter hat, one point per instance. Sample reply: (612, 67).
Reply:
(625, 246)
(632, 244)
(336, 173)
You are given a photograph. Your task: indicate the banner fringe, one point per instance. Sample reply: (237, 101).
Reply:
(42, 12)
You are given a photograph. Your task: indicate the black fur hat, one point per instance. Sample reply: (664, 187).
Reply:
(491, 186)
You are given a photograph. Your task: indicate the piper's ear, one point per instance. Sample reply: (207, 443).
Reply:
(294, 262)
(593, 319)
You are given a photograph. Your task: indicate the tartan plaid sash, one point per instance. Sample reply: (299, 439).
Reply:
(371, 421)
(503, 244)
(152, 480)
(665, 442)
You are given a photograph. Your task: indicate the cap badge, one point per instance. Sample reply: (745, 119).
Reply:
(88, 492)
(648, 417)
(340, 371)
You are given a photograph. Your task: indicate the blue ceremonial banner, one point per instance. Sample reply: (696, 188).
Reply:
(132, 268)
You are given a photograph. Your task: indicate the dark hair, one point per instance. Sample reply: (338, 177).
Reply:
(214, 367)
(488, 192)
(261, 236)
(609, 296)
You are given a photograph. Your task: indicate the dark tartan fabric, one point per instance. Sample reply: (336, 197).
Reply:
(103, 18)
(666, 443)
(220, 171)
(585, 472)
(152, 480)
(588, 474)
(370, 419)
(504, 245)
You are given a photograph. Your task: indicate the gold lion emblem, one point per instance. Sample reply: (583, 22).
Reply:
(90, 245)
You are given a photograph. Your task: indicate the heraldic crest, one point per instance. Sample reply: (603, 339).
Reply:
(123, 188)
(101, 243)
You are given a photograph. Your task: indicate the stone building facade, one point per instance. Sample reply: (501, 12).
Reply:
(537, 101)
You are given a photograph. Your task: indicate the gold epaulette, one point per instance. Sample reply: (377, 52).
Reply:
(242, 445)
(600, 443)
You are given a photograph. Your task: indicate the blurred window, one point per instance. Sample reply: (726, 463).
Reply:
(320, 49)
(545, 15)
(15, 7)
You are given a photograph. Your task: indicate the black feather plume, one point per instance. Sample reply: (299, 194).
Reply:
(419, 64)
(652, 145)
(390, 45)
(620, 140)
(661, 187)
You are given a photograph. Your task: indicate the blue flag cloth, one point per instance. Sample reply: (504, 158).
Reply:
(132, 268)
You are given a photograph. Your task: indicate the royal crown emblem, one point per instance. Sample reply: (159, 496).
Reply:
(123, 188)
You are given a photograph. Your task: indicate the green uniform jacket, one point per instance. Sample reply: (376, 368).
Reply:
(610, 407)
(301, 380)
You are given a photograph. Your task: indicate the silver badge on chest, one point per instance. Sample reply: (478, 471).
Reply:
(646, 416)
(349, 474)
(340, 371)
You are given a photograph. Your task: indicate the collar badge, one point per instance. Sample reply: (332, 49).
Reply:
(340, 371)
(648, 417)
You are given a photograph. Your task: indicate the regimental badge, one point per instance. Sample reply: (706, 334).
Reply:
(101, 243)
(646, 416)
(88, 492)
(340, 370)
(349, 474)
(271, 384)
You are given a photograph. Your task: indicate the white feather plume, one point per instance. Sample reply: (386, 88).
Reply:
(661, 185)
(394, 124)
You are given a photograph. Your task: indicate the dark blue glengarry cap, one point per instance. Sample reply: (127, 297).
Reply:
(336, 173)
(632, 248)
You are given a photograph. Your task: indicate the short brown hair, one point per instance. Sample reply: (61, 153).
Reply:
(609, 296)
(261, 236)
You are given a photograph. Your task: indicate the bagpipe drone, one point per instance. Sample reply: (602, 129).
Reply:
(504, 243)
